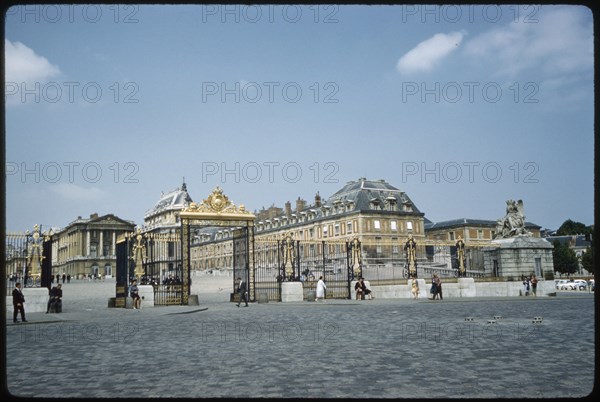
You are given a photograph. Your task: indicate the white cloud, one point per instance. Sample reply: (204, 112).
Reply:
(73, 192)
(561, 41)
(22, 64)
(427, 54)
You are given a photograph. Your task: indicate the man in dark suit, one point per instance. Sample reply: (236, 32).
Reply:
(55, 299)
(18, 301)
(242, 291)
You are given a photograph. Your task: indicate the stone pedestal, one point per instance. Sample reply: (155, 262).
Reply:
(466, 287)
(193, 300)
(517, 256)
(146, 293)
(291, 292)
(263, 298)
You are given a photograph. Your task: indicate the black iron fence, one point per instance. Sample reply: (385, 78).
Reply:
(28, 259)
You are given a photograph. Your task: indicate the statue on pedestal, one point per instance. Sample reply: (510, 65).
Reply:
(411, 257)
(460, 255)
(356, 258)
(513, 224)
(139, 254)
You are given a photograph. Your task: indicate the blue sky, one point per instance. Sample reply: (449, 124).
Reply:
(463, 107)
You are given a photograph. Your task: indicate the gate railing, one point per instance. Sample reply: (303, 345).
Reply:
(168, 295)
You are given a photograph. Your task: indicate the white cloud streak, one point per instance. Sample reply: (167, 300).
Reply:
(561, 41)
(428, 54)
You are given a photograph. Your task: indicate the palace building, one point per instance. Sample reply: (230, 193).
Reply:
(86, 246)
(373, 211)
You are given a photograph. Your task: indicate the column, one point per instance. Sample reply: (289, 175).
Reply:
(114, 241)
(87, 243)
(101, 251)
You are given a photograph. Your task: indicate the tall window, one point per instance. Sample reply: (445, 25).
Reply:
(409, 225)
(348, 227)
(336, 229)
(325, 231)
(394, 225)
(376, 224)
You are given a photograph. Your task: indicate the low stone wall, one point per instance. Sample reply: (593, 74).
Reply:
(36, 301)
(465, 287)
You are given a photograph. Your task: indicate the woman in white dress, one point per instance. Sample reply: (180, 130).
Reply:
(320, 289)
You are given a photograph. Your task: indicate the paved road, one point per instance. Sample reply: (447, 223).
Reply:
(386, 348)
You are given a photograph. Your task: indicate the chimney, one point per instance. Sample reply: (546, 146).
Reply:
(288, 209)
(317, 200)
(94, 215)
(300, 204)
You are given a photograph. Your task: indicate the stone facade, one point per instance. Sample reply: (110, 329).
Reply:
(469, 229)
(87, 246)
(372, 210)
(523, 255)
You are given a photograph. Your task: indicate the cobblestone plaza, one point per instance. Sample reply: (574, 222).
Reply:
(387, 348)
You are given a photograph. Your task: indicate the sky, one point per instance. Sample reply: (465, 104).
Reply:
(461, 107)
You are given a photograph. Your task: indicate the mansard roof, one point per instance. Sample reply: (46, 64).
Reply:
(373, 195)
(174, 200)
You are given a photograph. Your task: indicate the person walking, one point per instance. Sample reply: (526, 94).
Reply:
(242, 290)
(320, 289)
(526, 284)
(437, 285)
(18, 303)
(534, 282)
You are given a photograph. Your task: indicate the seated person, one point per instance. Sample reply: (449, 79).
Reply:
(55, 300)
(363, 288)
(134, 293)
(359, 290)
(415, 289)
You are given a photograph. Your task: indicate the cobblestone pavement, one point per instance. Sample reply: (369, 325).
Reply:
(386, 348)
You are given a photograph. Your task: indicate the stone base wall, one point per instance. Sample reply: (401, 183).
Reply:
(36, 301)
(291, 292)
(465, 287)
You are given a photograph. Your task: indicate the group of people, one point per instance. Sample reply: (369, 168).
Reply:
(436, 287)
(65, 278)
(435, 290)
(529, 284)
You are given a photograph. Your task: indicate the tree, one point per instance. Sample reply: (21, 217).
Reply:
(565, 259)
(570, 227)
(587, 261)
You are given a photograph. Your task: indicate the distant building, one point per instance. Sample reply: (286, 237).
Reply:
(164, 216)
(87, 245)
(468, 229)
(162, 228)
(577, 243)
